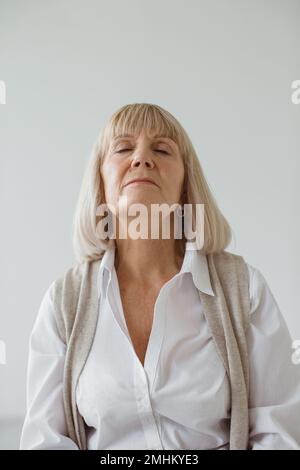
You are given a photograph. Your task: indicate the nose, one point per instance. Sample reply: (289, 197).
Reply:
(143, 160)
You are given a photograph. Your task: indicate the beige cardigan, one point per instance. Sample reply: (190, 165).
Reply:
(76, 302)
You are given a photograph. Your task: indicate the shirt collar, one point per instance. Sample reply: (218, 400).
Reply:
(107, 263)
(194, 262)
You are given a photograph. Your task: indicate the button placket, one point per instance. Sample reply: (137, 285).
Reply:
(157, 334)
(145, 409)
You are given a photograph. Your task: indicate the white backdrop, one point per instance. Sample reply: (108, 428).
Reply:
(223, 68)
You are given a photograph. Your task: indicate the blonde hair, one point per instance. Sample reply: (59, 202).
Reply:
(132, 119)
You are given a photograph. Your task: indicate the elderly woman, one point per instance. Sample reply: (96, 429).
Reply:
(157, 342)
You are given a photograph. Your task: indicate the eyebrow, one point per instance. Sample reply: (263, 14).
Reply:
(156, 137)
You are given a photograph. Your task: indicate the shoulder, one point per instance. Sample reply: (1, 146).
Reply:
(259, 289)
(269, 335)
(265, 313)
(231, 268)
(257, 284)
(70, 280)
(45, 337)
(241, 270)
(227, 259)
(71, 288)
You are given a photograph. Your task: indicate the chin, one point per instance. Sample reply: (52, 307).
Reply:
(145, 200)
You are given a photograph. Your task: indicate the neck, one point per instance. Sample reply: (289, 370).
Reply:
(148, 260)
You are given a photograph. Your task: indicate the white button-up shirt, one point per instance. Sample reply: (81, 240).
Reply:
(180, 398)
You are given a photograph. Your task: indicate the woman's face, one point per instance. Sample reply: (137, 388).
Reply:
(143, 156)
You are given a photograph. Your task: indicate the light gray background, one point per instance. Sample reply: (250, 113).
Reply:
(223, 68)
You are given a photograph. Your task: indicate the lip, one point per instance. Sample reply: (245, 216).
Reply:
(141, 180)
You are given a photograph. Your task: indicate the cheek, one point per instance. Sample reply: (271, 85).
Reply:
(174, 177)
(107, 173)
(112, 178)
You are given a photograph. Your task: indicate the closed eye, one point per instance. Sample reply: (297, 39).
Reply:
(125, 150)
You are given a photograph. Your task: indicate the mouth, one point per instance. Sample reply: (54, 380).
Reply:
(141, 181)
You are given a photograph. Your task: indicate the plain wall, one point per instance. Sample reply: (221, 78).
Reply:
(223, 68)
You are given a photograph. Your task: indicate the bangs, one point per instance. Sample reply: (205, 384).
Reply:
(132, 119)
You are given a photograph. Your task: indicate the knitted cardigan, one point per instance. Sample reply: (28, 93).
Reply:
(76, 304)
